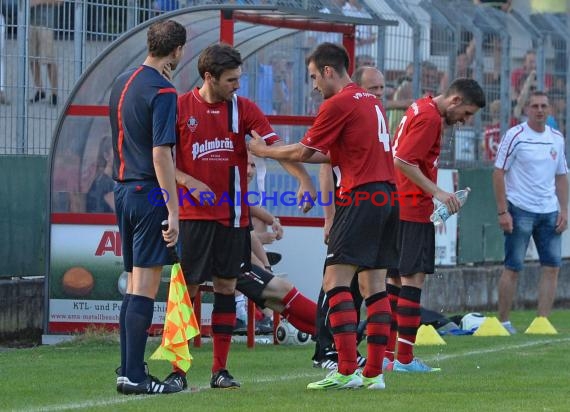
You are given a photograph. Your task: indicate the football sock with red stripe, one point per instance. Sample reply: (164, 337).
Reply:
(223, 322)
(342, 318)
(138, 318)
(393, 294)
(409, 318)
(377, 332)
(300, 311)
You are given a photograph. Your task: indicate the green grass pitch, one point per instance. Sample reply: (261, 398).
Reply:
(515, 373)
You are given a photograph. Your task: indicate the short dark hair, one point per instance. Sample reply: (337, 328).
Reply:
(217, 58)
(469, 89)
(163, 37)
(330, 54)
(537, 93)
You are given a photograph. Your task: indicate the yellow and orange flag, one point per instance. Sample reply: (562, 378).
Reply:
(180, 324)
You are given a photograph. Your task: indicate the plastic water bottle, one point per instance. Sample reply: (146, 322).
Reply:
(441, 214)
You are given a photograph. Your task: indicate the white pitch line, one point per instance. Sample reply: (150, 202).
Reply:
(123, 399)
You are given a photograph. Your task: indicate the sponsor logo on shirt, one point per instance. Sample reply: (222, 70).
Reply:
(211, 146)
(360, 95)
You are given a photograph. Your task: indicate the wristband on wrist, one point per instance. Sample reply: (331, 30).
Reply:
(502, 213)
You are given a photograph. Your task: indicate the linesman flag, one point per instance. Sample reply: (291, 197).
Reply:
(180, 324)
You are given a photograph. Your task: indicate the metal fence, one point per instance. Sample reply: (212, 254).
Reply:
(435, 41)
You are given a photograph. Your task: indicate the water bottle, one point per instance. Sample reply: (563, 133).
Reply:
(441, 214)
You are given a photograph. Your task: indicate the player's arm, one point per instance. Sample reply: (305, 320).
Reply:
(414, 173)
(505, 219)
(561, 183)
(326, 184)
(194, 186)
(289, 157)
(165, 174)
(267, 218)
(288, 153)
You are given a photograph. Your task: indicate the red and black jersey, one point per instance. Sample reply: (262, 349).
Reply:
(211, 147)
(418, 143)
(351, 126)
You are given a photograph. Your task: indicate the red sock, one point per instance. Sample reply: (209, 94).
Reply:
(409, 318)
(300, 310)
(259, 315)
(377, 331)
(223, 322)
(393, 293)
(302, 325)
(342, 316)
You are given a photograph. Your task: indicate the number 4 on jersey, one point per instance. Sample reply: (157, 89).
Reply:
(383, 135)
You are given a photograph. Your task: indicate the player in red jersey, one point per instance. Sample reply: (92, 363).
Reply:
(350, 129)
(211, 162)
(416, 154)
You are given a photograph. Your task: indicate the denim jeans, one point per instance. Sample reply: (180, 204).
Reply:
(541, 226)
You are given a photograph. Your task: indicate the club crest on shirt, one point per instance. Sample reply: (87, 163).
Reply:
(553, 153)
(192, 123)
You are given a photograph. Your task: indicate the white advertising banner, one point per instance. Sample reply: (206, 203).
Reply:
(87, 281)
(446, 234)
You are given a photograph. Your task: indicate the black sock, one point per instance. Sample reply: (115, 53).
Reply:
(137, 320)
(123, 334)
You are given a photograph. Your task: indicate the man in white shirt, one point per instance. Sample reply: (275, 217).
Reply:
(531, 190)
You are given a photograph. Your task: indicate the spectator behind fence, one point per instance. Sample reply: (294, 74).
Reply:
(3, 98)
(531, 190)
(463, 62)
(282, 67)
(41, 47)
(526, 75)
(504, 5)
(363, 60)
(365, 35)
(557, 98)
(404, 94)
(492, 134)
(164, 6)
(100, 197)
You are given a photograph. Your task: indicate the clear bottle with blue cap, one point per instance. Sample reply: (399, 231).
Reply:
(441, 213)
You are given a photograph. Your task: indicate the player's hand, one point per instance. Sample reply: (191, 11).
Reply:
(201, 192)
(449, 199)
(561, 222)
(306, 195)
(327, 229)
(506, 222)
(266, 238)
(256, 144)
(277, 229)
(170, 236)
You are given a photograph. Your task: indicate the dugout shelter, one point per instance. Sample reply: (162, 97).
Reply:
(84, 262)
